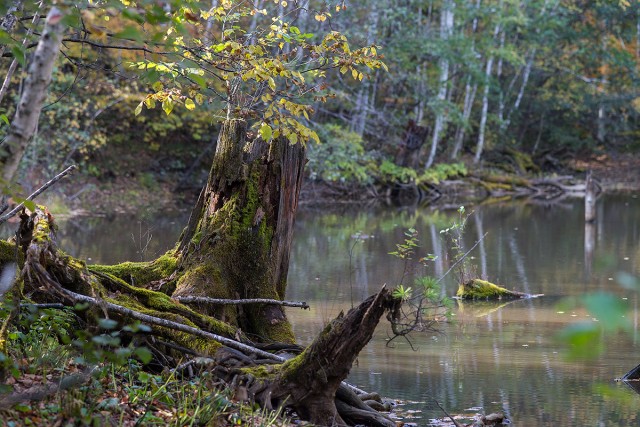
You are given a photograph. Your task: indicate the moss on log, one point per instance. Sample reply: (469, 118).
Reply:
(482, 289)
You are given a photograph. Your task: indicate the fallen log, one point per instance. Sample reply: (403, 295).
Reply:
(482, 289)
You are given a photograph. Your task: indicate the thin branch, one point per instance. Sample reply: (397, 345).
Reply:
(462, 257)
(219, 301)
(43, 274)
(457, 424)
(36, 193)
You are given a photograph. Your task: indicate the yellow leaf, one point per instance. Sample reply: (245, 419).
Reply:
(189, 104)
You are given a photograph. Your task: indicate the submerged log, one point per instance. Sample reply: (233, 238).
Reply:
(481, 289)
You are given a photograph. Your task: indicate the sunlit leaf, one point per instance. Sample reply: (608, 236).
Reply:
(266, 132)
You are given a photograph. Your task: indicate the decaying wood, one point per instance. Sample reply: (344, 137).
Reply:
(238, 239)
(482, 289)
(220, 301)
(311, 383)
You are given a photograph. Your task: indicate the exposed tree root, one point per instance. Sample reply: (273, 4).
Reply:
(311, 383)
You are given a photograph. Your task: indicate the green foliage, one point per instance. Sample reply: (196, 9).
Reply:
(454, 238)
(587, 339)
(340, 157)
(402, 293)
(423, 308)
(443, 171)
(390, 173)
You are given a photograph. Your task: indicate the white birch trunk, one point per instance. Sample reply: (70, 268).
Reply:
(469, 96)
(485, 100)
(34, 93)
(446, 28)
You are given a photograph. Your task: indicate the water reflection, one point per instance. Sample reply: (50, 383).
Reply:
(498, 356)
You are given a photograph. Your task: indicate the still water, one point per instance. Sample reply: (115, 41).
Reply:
(498, 357)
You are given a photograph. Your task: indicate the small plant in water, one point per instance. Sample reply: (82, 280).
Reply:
(454, 237)
(425, 306)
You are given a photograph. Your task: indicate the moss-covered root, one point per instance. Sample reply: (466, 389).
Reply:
(481, 289)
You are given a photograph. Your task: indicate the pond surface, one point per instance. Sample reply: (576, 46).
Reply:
(500, 357)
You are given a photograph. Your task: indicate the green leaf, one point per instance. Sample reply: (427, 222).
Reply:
(608, 309)
(18, 53)
(107, 323)
(200, 81)
(138, 109)
(130, 33)
(167, 106)
(30, 204)
(583, 339)
(266, 132)
(143, 354)
(4, 118)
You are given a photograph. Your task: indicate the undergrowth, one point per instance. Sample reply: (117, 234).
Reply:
(44, 347)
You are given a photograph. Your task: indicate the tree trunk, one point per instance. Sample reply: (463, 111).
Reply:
(238, 239)
(27, 114)
(446, 28)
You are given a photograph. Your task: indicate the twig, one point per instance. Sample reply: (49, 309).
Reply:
(221, 301)
(462, 258)
(43, 274)
(40, 393)
(457, 424)
(36, 193)
(43, 306)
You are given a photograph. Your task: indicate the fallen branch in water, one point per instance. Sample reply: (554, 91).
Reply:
(221, 301)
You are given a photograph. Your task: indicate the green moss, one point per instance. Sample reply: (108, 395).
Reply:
(291, 368)
(141, 273)
(198, 344)
(260, 371)
(482, 289)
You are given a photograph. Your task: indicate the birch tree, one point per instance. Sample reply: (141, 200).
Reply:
(446, 29)
(25, 121)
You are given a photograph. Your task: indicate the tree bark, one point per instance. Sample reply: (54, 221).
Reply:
(27, 114)
(239, 235)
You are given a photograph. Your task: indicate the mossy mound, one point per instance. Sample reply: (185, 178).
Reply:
(481, 289)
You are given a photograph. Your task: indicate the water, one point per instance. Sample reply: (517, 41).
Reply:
(501, 357)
